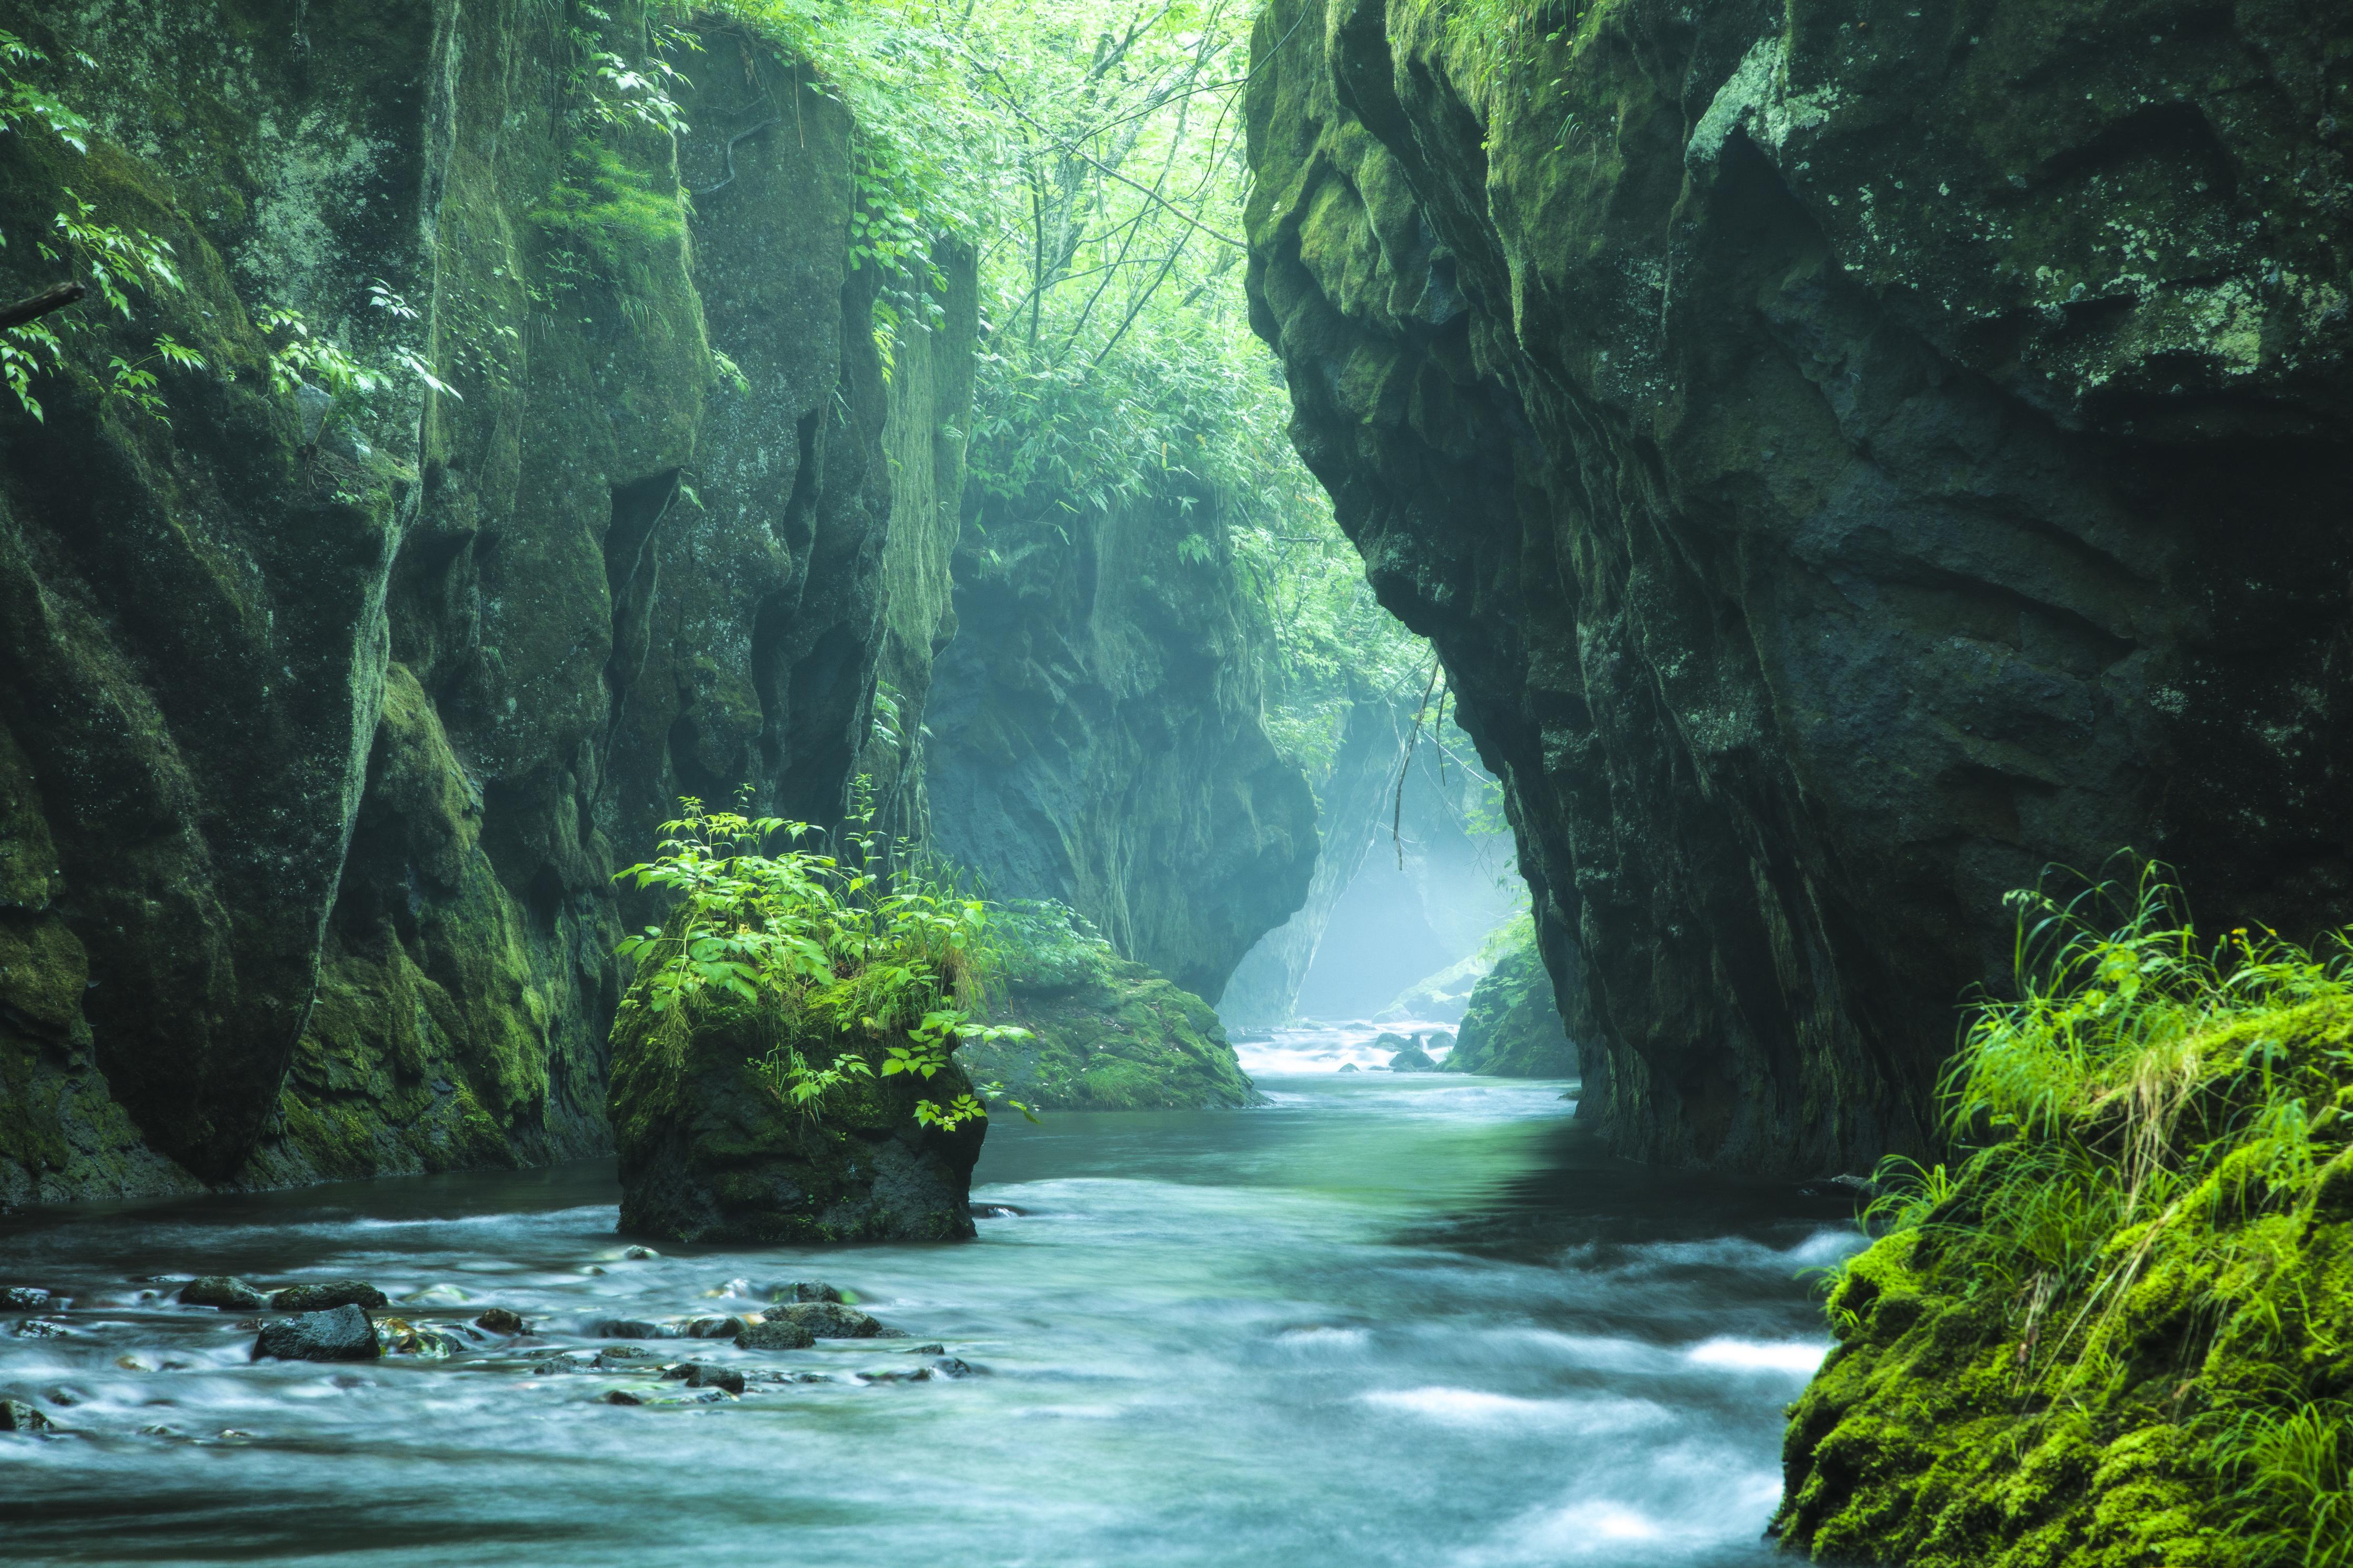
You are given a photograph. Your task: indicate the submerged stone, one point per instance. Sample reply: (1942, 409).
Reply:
(500, 1320)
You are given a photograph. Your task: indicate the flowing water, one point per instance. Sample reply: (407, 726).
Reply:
(1388, 1319)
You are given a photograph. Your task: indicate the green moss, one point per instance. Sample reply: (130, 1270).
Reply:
(1512, 1026)
(1113, 1037)
(2123, 1333)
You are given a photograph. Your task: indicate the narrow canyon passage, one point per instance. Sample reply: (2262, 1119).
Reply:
(1410, 1319)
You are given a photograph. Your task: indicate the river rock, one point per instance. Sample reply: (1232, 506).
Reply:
(776, 1335)
(703, 1375)
(716, 1328)
(343, 1333)
(1350, 1067)
(955, 1366)
(829, 1320)
(500, 1320)
(225, 1291)
(619, 1396)
(327, 1296)
(23, 1298)
(16, 1415)
(42, 1329)
(1413, 1059)
(805, 1290)
(636, 1329)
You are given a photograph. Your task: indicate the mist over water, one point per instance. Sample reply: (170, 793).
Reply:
(1388, 1319)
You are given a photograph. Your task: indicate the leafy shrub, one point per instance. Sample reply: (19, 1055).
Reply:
(815, 949)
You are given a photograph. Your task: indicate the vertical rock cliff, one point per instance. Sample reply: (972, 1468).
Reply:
(322, 727)
(1849, 458)
(1098, 737)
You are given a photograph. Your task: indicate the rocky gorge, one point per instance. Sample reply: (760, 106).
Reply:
(1848, 461)
(326, 716)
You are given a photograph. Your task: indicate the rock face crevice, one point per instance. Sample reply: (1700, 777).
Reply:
(1848, 461)
(322, 737)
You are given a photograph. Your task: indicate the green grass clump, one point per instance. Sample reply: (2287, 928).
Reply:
(2120, 1328)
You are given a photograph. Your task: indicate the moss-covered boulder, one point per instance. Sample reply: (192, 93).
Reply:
(711, 1151)
(1513, 1028)
(1106, 1033)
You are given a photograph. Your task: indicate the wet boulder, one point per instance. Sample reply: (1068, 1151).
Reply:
(499, 1321)
(225, 1291)
(343, 1333)
(716, 1328)
(827, 1320)
(703, 1375)
(711, 1152)
(1350, 1067)
(23, 1298)
(776, 1334)
(1413, 1059)
(636, 1328)
(327, 1296)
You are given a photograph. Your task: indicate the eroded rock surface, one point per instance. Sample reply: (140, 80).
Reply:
(1848, 458)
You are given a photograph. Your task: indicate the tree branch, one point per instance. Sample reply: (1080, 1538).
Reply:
(40, 304)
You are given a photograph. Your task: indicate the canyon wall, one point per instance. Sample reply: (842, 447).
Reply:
(1850, 459)
(324, 722)
(1098, 735)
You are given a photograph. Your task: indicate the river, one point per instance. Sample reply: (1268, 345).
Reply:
(1388, 1319)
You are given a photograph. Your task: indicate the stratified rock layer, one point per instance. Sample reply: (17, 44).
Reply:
(316, 742)
(1847, 458)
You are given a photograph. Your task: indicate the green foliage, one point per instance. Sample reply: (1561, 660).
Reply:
(870, 945)
(2148, 1216)
(1047, 945)
(110, 259)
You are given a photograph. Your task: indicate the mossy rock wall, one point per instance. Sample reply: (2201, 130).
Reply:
(1097, 737)
(319, 757)
(1119, 1038)
(1848, 457)
(1512, 1028)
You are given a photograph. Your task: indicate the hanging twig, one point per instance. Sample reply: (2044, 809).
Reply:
(1397, 814)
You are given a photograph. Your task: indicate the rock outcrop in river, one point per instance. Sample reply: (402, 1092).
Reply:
(319, 718)
(1847, 458)
(1513, 1028)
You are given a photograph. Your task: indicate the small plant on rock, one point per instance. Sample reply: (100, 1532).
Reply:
(814, 947)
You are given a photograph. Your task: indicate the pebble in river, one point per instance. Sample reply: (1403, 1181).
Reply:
(16, 1415)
